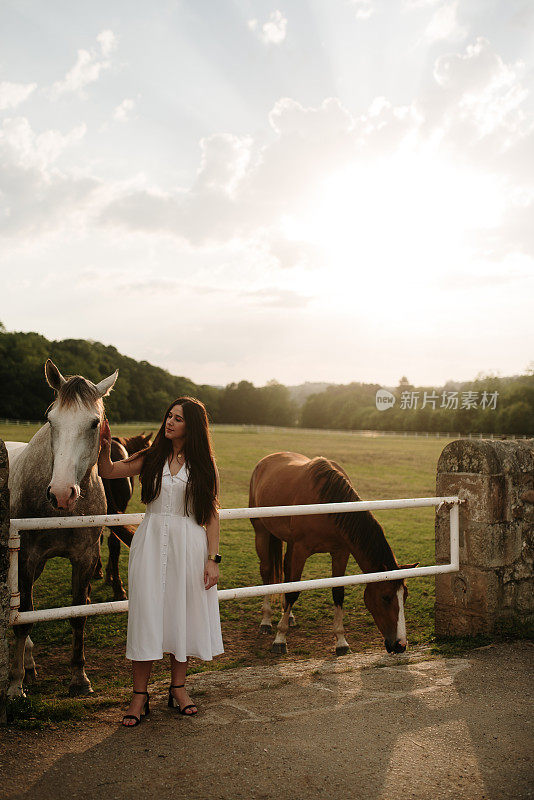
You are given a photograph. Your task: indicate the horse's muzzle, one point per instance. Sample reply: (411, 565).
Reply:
(62, 501)
(51, 497)
(397, 647)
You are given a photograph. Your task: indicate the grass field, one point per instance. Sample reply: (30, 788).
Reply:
(380, 468)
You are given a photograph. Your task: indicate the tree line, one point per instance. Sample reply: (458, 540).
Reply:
(488, 404)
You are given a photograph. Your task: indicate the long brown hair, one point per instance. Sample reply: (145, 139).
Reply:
(202, 485)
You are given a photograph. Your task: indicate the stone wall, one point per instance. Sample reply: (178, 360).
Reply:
(494, 589)
(4, 593)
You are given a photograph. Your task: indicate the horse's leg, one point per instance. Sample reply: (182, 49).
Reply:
(287, 572)
(30, 670)
(114, 546)
(99, 572)
(108, 578)
(16, 672)
(339, 565)
(262, 549)
(298, 559)
(82, 572)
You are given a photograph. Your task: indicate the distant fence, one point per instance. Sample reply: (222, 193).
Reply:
(367, 433)
(223, 426)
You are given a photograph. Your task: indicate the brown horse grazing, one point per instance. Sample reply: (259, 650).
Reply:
(284, 479)
(55, 474)
(118, 494)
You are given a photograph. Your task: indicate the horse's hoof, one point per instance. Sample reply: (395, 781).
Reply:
(15, 691)
(280, 648)
(119, 594)
(80, 690)
(30, 674)
(342, 651)
(265, 628)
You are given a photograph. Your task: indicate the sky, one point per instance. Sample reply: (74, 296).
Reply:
(299, 190)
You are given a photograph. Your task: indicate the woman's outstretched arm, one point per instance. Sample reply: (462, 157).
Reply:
(115, 469)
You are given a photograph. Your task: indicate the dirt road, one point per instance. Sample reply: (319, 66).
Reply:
(366, 726)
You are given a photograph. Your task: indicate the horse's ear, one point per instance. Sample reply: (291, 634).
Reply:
(105, 386)
(409, 566)
(53, 376)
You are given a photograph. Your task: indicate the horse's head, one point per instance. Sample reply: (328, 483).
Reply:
(134, 444)
(385, 600)
(146, 438)
(74, 418)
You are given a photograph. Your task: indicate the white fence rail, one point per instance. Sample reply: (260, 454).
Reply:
(18, 617)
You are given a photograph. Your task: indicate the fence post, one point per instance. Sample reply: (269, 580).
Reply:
(494, 589)
(4, 592)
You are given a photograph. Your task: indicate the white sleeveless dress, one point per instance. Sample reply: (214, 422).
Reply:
(169, 610)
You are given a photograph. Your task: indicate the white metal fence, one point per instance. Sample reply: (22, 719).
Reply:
(18, 617)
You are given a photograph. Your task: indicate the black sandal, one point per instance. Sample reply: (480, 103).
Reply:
(173, 702)
(144, 712)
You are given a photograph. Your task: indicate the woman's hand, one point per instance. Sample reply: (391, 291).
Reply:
(211, 574)
(105, 437)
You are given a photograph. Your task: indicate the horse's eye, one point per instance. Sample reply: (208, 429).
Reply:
(94, 424)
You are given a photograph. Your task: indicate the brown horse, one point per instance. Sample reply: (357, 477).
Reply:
(282, 479)
(118, 494)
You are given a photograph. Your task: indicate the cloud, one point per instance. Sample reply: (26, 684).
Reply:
(278, 298)
(289, 253)
(123, 110)
(245, 188)
(482, 99)
(224, 161)
(26, 148)
(88, 67)
(107, 41)
(444, 24)
(273, 31)
(248, 188)
(364, 8)
(290, 118)
(13, 94)
(411, 4)
(481, 281)
(35, 195)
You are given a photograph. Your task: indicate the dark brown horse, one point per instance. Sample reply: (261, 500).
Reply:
(284, 479)
(118, 494)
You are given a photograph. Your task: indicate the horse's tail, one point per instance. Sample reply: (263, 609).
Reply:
(124, 533)
(275, 545)
(275, 559)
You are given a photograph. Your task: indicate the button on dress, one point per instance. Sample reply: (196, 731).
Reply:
(169, 610)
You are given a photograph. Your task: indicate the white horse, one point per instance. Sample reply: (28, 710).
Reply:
(55, 474)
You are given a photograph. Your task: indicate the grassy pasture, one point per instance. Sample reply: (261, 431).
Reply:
(380, 468)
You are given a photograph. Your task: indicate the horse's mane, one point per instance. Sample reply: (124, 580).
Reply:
(78, 390)
(361, 528)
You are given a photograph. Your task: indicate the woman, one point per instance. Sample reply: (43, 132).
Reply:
(173, 567)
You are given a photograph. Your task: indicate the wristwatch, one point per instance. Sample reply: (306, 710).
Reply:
(217, 558)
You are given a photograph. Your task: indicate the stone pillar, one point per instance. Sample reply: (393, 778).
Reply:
(494, 589)
(4, 593)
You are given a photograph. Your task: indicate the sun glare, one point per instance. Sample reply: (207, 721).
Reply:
(402, 220)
